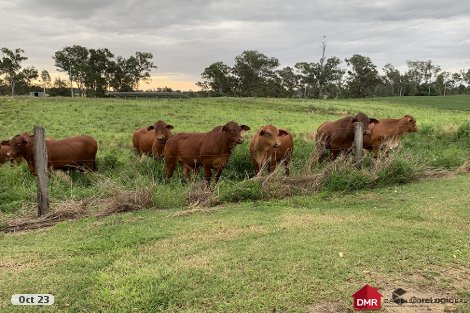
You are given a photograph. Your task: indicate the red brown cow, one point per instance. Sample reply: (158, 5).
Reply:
(210, 150)
(72, 152)
(5, 151)
(271, 146)
(338, 136)
(388, 133)
(152, 139)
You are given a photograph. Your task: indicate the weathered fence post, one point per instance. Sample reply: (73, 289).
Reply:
(358, 142)
(40, 161)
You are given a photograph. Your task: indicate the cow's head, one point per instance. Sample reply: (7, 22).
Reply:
(410, 123)
(366, 121)
(270, 136)
(18, 146)
(162, 131)
(234, 132)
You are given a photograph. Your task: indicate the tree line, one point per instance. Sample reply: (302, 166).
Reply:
(257, 75)
(90, 72)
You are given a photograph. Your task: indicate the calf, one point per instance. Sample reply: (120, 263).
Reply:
(5, 152)
(71, 152)
(388, 133)
(271, 146)
(338, 136)
(210, 150)
(152, 139)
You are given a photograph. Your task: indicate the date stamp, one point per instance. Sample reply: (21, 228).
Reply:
(32, 299)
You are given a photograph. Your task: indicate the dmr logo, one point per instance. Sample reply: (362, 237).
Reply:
(367, 298)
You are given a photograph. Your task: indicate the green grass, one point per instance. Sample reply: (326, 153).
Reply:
(255, 255)
(443, 142)
(250, 257)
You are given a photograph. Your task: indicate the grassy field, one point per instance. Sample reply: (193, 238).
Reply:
(443, 140)
(253, 256)
(252, 251)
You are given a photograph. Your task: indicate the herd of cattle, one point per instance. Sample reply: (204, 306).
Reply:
(269, 146)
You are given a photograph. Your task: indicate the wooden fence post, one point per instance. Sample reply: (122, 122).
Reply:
(358, 142)
(40, 161)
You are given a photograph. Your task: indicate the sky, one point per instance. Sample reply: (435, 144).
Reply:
(186, 36)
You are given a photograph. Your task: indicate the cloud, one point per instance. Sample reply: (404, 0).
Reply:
(187, 36)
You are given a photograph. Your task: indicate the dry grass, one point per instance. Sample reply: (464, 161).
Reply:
(115, 200)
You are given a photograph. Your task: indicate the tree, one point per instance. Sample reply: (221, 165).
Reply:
(59, 88)
(329, 75)
(45, 79)
(10, 66)
(394, 79)
(217, 77)
(466, 77)
(443, 81)
(423, 73)
(140, 65)
(73, 61)
(289, 81)
(363, 76)
(98, 71)
(28, 74)
(255, 73)
(307, 76)
(127, 73)
(316, 76)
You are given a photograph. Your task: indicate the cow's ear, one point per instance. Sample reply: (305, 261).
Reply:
(410, 120)
(245, 128)
(373, 121)
(354, 120)
(5, 143)
(150, 128)
(169, 127)
(262, 132)
(224, 128)
(282, 132)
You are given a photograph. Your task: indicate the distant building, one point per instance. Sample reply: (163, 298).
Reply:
(38, 94)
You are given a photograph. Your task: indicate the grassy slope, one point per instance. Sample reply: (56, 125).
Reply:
(250, 257)
(113, 121)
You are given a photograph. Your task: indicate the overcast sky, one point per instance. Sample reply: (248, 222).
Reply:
(185, 36)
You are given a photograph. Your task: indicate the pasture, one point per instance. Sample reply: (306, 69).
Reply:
(248, 249)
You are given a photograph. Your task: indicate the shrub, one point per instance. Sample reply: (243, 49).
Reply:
(396, 171)
(249, 189)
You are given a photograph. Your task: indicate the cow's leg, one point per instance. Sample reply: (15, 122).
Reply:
(286, 166)
(376, 149)
(255, 164)
(334, 153)
(90, 165)
(186, 172)
(207, 175)
(320, 151)
(170, 165)
(219, 172)
(272, 165)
